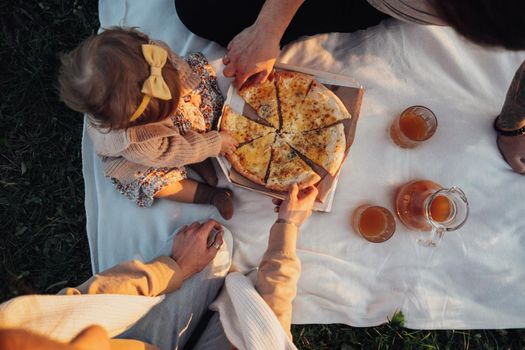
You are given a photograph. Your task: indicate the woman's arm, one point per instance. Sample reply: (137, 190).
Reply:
(280, 267)
(253, 51)
(276, 15)
(279, 272)
(160, 276)
(190, 254)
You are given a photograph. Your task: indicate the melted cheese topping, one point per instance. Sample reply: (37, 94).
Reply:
(325, 147)
(263, 98)
(241, 128)
(254, 157)
(292, 89)
(287, 167)
(319, 109)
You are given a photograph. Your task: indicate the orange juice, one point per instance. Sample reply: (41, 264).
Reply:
(410, 203)
(413, 126)
(372, 222)
(440, 209)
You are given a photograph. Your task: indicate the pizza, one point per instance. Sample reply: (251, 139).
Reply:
(251, 160)
(263, 98)
(322, 103)
(305, 141)
(241, 128)
(287, 168)
(292, 89)
(325, 147)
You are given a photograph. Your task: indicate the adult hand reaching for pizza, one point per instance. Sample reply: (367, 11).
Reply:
(297, 206)
(253, 52)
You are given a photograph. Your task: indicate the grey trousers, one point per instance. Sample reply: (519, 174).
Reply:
(171, 323)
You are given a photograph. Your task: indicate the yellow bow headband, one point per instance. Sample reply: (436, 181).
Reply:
(154, 86)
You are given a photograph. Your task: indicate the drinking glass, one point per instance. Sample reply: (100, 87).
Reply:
(413, 126)
(376, 224)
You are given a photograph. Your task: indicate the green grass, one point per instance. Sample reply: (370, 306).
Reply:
(43, 244)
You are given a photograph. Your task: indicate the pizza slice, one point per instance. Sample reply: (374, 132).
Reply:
(263, 98)
(324, 147)
(241, 128)
(287, 168)
(251, 159)
(292, 88)
(319, 109)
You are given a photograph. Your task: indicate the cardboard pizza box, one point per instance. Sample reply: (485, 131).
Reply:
(349, 91)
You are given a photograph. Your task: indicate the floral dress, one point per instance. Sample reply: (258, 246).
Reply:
(187, 117)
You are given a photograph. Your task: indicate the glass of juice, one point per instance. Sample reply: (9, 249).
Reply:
(376, 224)
(424, 205)
(413, 126)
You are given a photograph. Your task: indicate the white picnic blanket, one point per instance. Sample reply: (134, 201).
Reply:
(475, 278)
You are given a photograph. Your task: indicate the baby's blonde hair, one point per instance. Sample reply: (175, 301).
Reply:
(103, 77)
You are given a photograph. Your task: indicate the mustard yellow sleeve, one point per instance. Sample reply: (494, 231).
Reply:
(279, 272)
(160, 276)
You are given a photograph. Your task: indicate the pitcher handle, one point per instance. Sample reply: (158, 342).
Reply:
(435, 238)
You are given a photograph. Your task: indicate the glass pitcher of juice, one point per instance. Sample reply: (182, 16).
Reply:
(424, 205)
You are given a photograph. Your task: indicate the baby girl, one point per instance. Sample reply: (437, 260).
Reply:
(151, 113)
